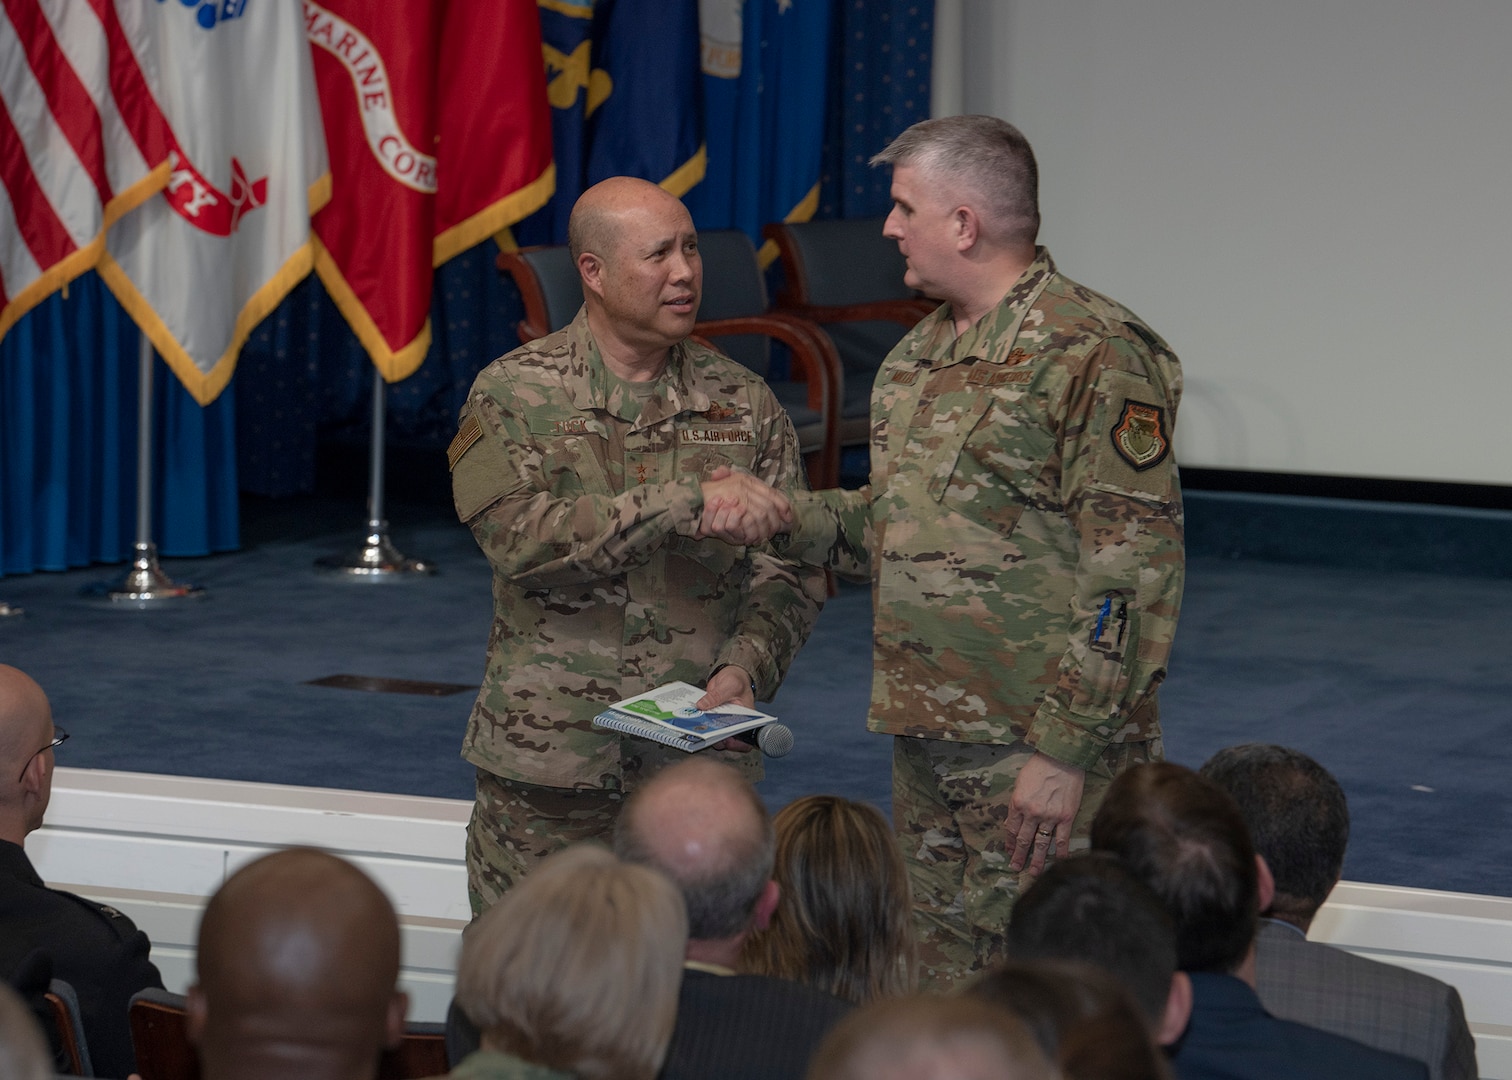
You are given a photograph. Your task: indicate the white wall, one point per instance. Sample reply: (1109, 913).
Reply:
(1308, 198)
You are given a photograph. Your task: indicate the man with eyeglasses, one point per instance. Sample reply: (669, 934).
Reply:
(92, 947)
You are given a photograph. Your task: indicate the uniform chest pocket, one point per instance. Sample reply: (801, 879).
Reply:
(572, 453)
(1001, 451)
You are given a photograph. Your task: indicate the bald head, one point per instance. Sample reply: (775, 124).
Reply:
(930, 1038)
(26, 726)
(598, 217)
(702, 824)
(298, 959)
(636, 252)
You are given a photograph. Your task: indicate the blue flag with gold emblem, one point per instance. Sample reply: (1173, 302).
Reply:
(765, 65)
(626, 92)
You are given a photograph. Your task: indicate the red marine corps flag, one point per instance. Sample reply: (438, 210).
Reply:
(439, 136)
(200, 266)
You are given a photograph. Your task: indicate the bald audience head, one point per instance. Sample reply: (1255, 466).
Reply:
(26, 758)
(702, 824)
(298, 960)
(931, 1038)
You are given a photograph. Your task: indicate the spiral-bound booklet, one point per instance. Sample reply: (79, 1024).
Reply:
(668, 715)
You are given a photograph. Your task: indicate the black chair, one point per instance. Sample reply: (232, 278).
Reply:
(733, 318)
(160, 1038)
(848, 278)
(63, 1004)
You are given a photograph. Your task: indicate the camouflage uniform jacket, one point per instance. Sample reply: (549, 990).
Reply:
(600, 589)
(1025, 518)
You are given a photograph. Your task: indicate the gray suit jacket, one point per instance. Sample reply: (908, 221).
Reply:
(1380, 1005)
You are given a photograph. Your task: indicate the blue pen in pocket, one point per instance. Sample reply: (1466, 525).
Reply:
(1101, 615)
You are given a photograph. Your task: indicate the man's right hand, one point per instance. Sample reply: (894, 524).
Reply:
(740, 509)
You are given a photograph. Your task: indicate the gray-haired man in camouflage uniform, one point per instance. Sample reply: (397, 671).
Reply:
(584, 464)
(1023, 534)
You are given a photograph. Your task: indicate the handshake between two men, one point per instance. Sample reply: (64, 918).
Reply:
(739, 508)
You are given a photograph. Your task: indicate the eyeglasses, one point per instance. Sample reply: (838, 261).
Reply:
(59, 738)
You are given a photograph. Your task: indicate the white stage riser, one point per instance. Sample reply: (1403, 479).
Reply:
(157, 846)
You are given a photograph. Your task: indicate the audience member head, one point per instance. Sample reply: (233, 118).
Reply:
(577, 968)
(23, 1047)
(1081, 1017)
(1092, 910)
(1183, 836)
(982, 161)
(702, 824)
(1298, 819)
(636, 252)
(26, 758)
(844, 922)
(930, 1038)
(297, 962)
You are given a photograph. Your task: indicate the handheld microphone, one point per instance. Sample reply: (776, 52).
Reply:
(775, 740)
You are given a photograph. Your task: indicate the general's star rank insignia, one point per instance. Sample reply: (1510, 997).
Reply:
(1140, 435)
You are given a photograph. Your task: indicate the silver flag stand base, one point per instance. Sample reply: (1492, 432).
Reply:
(7, 611)
(376, 560)
(144, 586)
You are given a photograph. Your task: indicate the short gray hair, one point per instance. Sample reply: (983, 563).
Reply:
(978, 156)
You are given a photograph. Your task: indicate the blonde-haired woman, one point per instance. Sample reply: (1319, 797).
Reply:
(574, 973)
(843, 923)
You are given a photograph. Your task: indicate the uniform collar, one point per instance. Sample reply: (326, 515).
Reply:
(14, 863)
(677, 392)
(994, 338)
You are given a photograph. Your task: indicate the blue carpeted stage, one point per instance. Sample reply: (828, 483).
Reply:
(1395, 679)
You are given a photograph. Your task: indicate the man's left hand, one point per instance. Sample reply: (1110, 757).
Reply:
(730, 685)
(1046, 797)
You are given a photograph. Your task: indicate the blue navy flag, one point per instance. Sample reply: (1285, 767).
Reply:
(626, 98)
(765, 66)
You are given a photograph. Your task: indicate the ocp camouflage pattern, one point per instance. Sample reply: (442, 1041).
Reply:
(1025, 516)
(588, 518)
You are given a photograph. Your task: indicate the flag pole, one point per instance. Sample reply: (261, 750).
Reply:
(144, 585)
(377, 559)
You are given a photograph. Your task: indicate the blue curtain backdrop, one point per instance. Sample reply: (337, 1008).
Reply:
(68, 443)
(68, 370)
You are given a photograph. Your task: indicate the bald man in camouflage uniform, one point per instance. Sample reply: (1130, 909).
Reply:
(583, 465)
(1023, 534)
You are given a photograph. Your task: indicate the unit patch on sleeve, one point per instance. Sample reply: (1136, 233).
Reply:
(1140, 435)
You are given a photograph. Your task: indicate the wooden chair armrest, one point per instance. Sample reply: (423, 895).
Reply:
(815, 362)
(535, 323)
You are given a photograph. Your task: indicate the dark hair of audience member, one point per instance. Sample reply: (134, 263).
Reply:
(577, 968)
(1090, 909)
(1298, 819)
(1082, 1018)
(844, 920)
(925, 1037)
(1183, 836)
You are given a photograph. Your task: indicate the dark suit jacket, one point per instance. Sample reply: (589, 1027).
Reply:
(1232, 1037)
(1380, 1005)
(747, 1027)
(93, 947)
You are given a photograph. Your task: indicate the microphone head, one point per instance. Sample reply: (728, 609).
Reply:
(775, 740)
